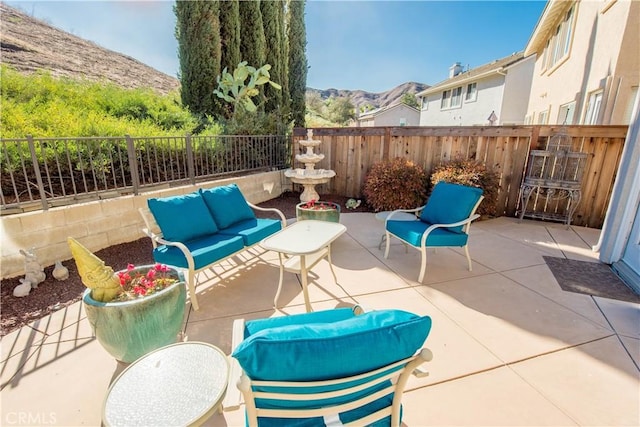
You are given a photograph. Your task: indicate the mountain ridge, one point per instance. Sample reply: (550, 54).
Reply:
(29, 45)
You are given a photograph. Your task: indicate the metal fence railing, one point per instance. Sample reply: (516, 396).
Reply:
(37, 173)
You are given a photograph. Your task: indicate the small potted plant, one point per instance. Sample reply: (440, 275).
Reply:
(318, 210)
(134, 311)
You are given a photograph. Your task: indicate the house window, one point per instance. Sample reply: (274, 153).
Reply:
(425, 103)
(527, 120)
(558, 46)
(542, 117)
(565, 114)
(451, 98)
(456, 97)
(593, 108)
(471, 93)
(403, 121)
(446, 99)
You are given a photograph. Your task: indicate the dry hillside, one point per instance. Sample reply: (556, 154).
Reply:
(30, 45)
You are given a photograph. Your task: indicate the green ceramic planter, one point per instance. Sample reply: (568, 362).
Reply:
(130, 329)
(331, 214)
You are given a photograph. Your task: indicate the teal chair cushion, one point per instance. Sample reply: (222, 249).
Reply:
(182, 218)
(253, 230)
(412, 231)
(449, 203)
(205, 250)
(227, 205)
(324, 316)
(319, 351)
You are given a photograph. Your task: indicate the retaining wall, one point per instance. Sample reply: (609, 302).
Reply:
(100, 224)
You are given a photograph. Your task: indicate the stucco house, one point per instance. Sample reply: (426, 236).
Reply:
(393, 115)
(496, 93)
(587, 67)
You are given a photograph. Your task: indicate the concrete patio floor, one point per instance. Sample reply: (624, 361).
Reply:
(511, 348)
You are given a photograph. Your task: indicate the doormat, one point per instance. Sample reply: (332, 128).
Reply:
(591, 278)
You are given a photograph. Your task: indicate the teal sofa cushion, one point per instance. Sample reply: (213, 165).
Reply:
(254, 230)
(319, 351)
(227, 205)
(182, 218)
(205, 251)
(449, 203)
(412, 231)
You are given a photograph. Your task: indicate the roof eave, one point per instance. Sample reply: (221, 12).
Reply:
(552, 13)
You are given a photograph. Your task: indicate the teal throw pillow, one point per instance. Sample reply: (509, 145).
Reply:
(450, 203)
(182, 218)
(320, 351)
(227, 205)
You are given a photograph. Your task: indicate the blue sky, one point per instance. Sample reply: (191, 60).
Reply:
(368, 45)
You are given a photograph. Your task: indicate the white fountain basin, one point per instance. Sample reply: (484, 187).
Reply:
(309, 158)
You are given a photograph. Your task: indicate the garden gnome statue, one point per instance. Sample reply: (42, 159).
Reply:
(104, 284)
(34, 272)
(60, 272)
(23, 289)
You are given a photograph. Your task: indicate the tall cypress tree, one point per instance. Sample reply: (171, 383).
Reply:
(198, 35)
(253, 45)
(269, 11)
(284, 59)
(230, 34)
(297, 61)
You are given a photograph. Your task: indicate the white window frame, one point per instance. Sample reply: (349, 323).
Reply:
(445, 101)
(592, 109)
(566, 112)
(456, 97)
(424, 105)
(543, 117)
(471, 92)
(559, 45)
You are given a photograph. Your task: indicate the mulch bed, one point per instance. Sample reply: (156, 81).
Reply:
(52, 295)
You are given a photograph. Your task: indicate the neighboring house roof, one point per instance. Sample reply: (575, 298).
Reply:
(552, 14)
(494, 67)
(373, 113)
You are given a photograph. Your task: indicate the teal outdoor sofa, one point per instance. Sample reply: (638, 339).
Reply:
(197, 230)
(333, 367)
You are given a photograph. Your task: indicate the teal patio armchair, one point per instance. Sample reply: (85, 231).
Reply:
(330, 367)
(443, 222)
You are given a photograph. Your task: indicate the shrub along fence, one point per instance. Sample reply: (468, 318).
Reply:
(38, 173)
(351, 152)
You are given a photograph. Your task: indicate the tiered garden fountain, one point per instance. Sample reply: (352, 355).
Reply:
(309, 177)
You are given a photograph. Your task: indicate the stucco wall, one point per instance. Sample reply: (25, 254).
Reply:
(470, 113)
(103, 223)
(517, 87)
(594, 63)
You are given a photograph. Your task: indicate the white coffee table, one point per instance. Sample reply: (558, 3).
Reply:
(180, 384)
(400, 216)
(306, 243)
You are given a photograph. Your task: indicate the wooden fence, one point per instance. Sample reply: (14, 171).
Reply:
(351, 152)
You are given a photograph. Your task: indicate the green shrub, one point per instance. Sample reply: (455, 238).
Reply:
(395, 184)
(473, 174)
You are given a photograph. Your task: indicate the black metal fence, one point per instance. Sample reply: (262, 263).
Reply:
(38, 173)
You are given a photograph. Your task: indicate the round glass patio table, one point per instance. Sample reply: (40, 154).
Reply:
(180, 384)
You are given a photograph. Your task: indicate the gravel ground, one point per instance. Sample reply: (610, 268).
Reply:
(52, 295)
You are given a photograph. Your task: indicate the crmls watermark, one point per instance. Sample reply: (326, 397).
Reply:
(25, 418)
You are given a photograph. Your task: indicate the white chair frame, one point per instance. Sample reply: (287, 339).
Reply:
(466, 223)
